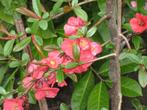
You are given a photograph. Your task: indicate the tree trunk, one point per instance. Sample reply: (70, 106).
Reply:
(114, 10)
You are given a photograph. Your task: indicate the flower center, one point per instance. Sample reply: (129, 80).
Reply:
(52, 62)
(141, 23)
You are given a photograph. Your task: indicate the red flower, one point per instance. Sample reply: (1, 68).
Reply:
(88, 51)
(54, 59)
(139, 23)
(43, 90)
(13, 104)
(27, 82)
(73, 24)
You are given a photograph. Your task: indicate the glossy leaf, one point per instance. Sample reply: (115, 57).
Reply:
(8, 47)
(14, 64)
(142, 77)
(22, 44)
(91, 32)
(60, 76)
(63, 106)
(137, 42)
(73, 77)
(81, 13)
(37, 7)
(39, 40)
(71, 65)
(130, 87)
(76, 52)
(74, 2)
(43, 24)
(3, 70)
(98, 98)
(82, 91)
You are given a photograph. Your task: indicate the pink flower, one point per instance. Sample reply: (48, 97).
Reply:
(54, 59)
(13, 104)
(134, 4)
(27, 82)
(88, 51)
(39, 72)
(95, 48)
(45, 91)
(73, 24)
(32, 67)
(139, 23)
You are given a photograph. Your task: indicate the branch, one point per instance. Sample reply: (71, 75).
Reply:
(114, 9)
(20, 28)
(79, 4)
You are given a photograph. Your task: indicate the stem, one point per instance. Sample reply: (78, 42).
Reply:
(126, 40)
(101, 58)
(20, 28)
(97, 74)
(114, 9)
(79, 4)
(101, 20)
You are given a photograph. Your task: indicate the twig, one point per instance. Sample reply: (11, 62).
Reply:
(105, 43)
(126, 40)
(97, 74)
(101, 58)
(79, 4)
(101, 20)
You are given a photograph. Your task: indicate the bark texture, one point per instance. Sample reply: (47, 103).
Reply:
(20, 28)
(114, 10)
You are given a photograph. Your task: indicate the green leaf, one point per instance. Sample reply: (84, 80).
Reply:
(63, 106)
(98, 98)
(102, 7)
(137, 42)
(130, 87)
(82, 91)
(25, 58)
(73, 77)
(14, 64)
(3, 70)
(37, 7)
(74, 2)
(57, 6)
(144, 61)
(142, 77)
(5, 17)
(2, 91)
(130, 56)
(22, 44)
(60, 76)
(71, 65)
(81, 13)
(140, 5)
(104, 31)
(76, 51)
(43, 24)
(6, 3)
(31, 98)
(8, 47)
(59, 41)
(39, 40)
(91, 32)
(45, 15)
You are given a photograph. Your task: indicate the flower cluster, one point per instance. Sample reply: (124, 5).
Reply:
(139, 23)
(13, 104)
(42, 75)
